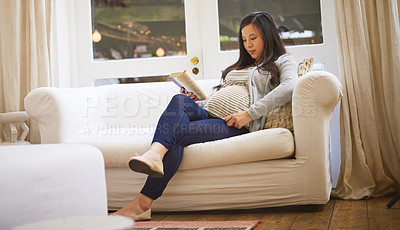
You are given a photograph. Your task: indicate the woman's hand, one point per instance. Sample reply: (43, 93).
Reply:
(238, 120)
(190, 94)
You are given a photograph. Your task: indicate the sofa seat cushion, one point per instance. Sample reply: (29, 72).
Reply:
(117, 147)
(268, 144)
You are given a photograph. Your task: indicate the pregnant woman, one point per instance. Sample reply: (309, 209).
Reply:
(261, 80)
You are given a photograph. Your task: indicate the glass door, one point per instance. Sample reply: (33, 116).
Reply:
(143, 38)
(137, 39)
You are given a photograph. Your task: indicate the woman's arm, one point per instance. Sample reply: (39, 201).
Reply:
(281, 94)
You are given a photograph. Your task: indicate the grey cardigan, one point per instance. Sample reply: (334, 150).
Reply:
(264, 97)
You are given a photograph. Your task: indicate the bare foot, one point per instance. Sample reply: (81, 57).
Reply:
(136, 207)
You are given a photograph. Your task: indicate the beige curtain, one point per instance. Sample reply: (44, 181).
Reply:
(369, 58)
(25, 56)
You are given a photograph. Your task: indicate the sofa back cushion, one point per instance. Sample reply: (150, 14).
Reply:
(137, 105)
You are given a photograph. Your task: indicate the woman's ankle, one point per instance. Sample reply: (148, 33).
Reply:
(144, 202)
(156, 152)
(152, 156)
(136, 207)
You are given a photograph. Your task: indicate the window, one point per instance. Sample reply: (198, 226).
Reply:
(138, 29)
(298, 22)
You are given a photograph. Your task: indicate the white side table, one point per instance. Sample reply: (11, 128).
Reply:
(10, 122)
(82, 222)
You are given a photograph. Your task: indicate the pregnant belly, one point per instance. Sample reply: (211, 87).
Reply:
(228, 100)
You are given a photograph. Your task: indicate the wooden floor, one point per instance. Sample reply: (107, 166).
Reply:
(336, 214)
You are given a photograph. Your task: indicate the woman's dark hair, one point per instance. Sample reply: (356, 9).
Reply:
(273, 46)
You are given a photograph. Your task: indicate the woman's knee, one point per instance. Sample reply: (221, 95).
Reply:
(179, 97)
(181, 100)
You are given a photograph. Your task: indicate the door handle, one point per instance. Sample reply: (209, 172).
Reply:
(194, 60)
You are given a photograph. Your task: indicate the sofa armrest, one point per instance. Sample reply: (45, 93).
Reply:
(315, 96)
(58, 112)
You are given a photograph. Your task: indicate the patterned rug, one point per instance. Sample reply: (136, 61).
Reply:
(196, 225)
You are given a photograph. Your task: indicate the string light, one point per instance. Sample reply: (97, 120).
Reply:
(96, 36)
(160, 52)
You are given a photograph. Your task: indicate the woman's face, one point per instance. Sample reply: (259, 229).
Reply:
(252, 41)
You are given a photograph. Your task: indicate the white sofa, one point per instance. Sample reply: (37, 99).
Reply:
(261, 169)
(41, 182)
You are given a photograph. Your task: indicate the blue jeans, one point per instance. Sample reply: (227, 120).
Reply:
(183, 123)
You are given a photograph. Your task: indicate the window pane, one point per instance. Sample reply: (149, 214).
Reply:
(299, 21)
(125, 29)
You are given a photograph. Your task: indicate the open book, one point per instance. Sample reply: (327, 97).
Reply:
(183, 79)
